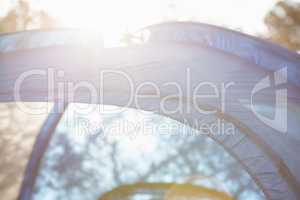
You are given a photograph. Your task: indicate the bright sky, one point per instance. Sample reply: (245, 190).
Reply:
(114, 17)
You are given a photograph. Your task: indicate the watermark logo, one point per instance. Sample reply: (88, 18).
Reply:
(185, 97)
(279, 122)
(176, 97)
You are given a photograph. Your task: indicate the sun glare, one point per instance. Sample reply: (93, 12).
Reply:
(113, 18)
(110, 18)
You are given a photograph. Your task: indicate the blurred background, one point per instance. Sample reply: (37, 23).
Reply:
(277, 21)
(270, 19)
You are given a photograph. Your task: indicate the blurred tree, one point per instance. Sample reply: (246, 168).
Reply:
(17, 135)
(283, 22)
(22, 17)
(46, 21)
(17, 131)
(99, 162)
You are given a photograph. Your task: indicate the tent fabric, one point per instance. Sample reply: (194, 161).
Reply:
(268, 155)
(10, 42)
(258, 51)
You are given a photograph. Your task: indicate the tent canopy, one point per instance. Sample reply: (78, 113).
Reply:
(187, 54)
